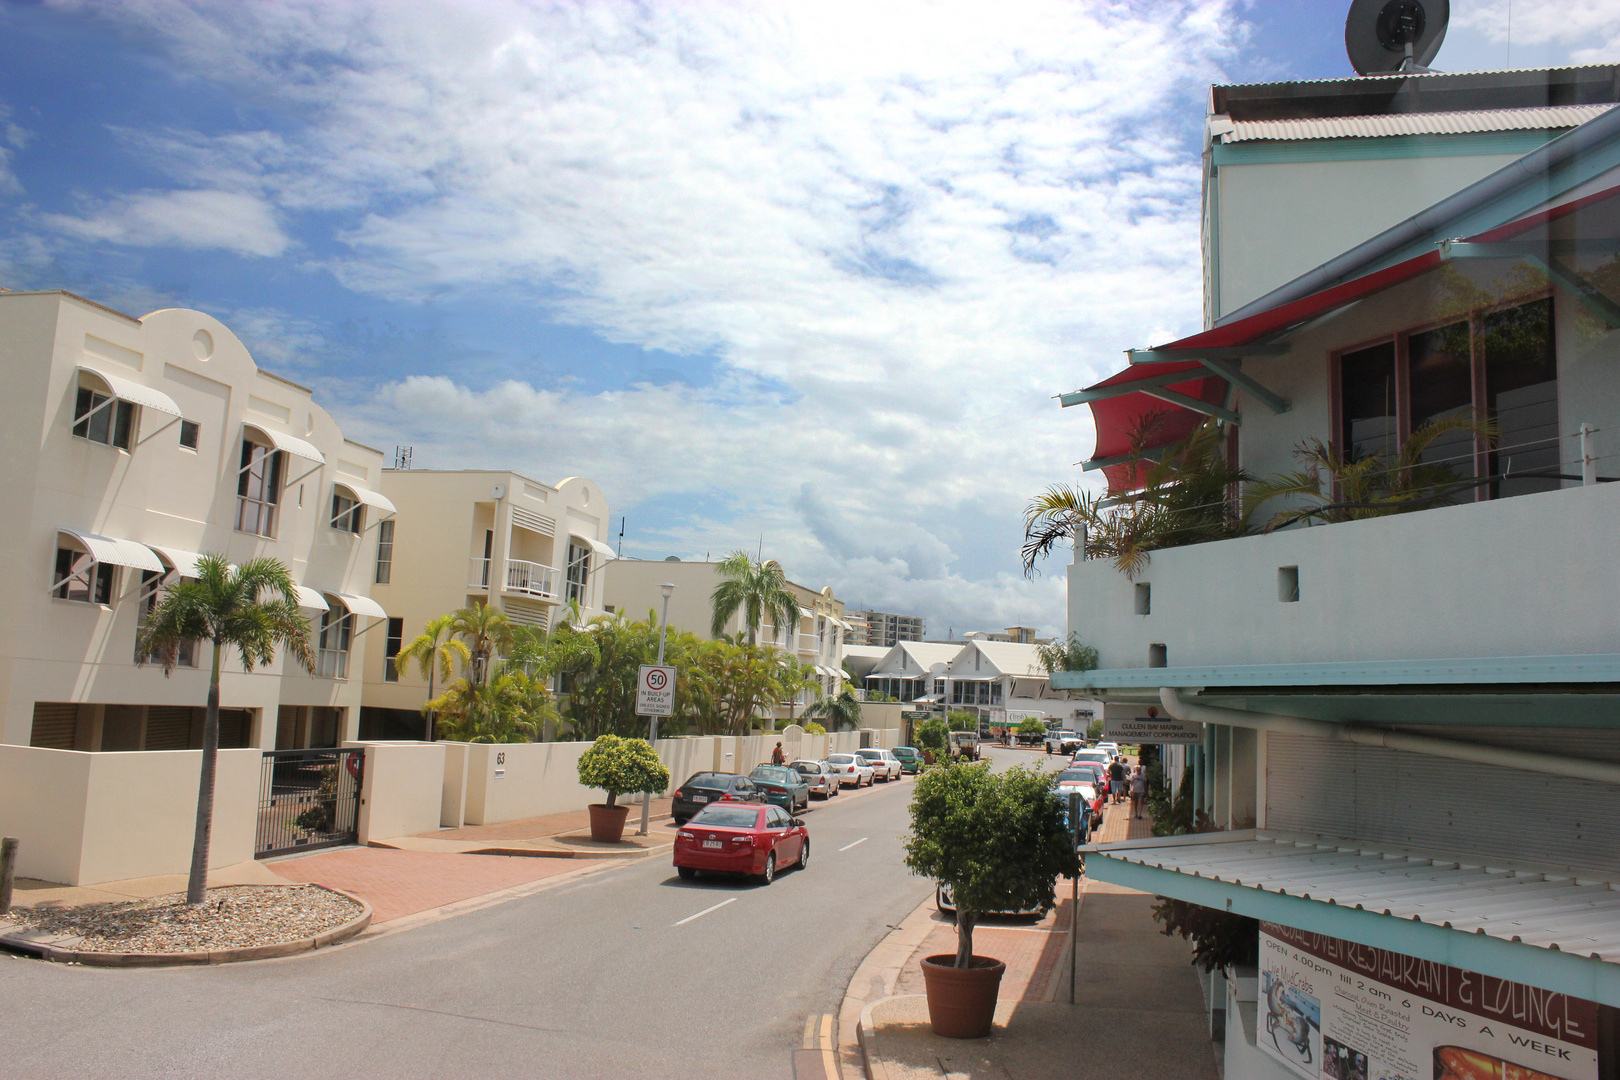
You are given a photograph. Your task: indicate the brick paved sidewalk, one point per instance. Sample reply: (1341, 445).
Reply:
(401, 883)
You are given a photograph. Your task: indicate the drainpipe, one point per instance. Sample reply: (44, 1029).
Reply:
(1603, 772)
(1196, 753)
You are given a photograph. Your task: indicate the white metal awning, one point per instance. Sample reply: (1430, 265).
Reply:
(311, 599)
(115, 552)
(928, 698)
(606, 552)
(367, 497)
(362, 605)
(1559, 909)
(295, 447)
(133, 392)
(182, 561)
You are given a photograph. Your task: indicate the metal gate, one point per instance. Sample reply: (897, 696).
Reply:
(308, 799)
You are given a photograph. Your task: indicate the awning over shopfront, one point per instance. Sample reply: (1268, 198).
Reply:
(1553, 928)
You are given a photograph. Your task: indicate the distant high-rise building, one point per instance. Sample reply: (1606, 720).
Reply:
(885, 628)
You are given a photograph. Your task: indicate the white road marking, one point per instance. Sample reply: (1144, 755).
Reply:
(705, 911)
(862, 840)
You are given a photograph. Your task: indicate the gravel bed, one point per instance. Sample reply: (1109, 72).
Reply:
(232, 917)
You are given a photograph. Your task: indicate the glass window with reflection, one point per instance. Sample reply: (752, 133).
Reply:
(1367, 408)
(1441, 372)
(1521, 395)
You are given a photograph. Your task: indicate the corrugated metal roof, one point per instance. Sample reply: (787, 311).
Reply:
(1555, 117)
(1547, 907)
(1357, 80)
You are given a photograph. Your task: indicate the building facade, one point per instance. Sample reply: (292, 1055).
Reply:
(467, 537)
(131, 447)
(885, 628)
(1359, 698)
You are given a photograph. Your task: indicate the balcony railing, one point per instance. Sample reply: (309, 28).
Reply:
(478, 574)
(531, 579)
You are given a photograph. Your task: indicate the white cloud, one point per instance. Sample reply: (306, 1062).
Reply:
(1531, 33)
(923, 219)
(228, 220)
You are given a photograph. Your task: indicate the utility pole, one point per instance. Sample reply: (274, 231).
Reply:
(668, 589)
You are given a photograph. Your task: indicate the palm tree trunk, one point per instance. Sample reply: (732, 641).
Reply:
(197, 883)
(430, 698)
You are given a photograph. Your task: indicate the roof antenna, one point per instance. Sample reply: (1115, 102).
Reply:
(621, 536)
(1395, 37)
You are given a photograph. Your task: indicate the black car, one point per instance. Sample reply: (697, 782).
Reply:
(706, 787)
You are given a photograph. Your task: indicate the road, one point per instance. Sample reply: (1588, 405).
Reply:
(627, 973)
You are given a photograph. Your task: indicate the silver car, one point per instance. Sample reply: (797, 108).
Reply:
(818, 775)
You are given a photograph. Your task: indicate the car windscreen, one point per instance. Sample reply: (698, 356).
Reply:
(775, 774)
(710, 780)
(1083, 775)
(840, 759)
(870, 755)
(726, 817)
(808, 768)
(903, 752)
(1091, 755)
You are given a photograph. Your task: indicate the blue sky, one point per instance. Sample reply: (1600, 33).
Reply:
(808, 271)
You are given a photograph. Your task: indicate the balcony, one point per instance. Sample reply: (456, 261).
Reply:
(1533, 576)
(478, 574)
(531, 579)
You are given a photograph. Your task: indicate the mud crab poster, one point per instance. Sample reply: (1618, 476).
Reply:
(1334, 1010)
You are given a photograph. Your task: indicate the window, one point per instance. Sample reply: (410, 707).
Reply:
(396, 641)
(80, 578)
(258, 489)
(103, 419)
(579, 570)
(151, 586)
(346, 512)
(1500, 366)
(385, 552)
(189, 430)
(332, 658)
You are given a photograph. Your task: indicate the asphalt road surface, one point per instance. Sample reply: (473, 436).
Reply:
(631, 972)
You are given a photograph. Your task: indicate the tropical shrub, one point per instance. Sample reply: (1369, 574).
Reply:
(961, 720)
(997, 839)
(622, 767)
(932, 736)
(1031, 725)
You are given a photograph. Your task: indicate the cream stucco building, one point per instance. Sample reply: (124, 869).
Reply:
(467, 537)
(130, 446)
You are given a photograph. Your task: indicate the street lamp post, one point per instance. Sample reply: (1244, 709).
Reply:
(668, 589)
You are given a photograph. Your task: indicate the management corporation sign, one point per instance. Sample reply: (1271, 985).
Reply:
(1135, 730)
(655, 691)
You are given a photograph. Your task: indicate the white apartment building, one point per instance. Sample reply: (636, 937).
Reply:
(469, 537)
(818, 639)
(1406, 728)
(884, 628)
(131, 446)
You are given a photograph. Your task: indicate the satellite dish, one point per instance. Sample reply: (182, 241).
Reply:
(1386, 37)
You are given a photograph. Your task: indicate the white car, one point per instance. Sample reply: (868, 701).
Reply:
(819, 775)
(852, 770)
(1112, 748)
(884, 764)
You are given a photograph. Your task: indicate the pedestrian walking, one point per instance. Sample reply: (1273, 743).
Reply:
(1138, 791)
(1116, 781)
(777, 757)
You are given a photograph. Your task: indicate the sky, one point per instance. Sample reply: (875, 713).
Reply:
(800, 278)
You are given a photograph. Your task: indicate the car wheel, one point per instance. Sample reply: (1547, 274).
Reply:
(687, 873)
(770, 870)
(804, 854)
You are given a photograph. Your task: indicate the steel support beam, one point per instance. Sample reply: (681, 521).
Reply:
(1222, 362)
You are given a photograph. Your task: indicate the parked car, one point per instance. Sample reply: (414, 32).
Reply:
(1111, 747)
(911, 758)
(1099, 775)
(741, 838)
(783, 786)
(709, 787)
(1083, 779)
(886, 766)
(1064, 742)
(947, 904)
(852, 770)
(819, 775)
(965, 744)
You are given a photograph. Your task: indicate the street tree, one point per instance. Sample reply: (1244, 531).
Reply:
(252, 609)
(756, 589)
(435, 653)
(487, 632)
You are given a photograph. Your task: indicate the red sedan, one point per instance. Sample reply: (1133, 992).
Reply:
(741, 838)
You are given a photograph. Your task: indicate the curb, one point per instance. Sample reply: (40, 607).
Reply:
(542, 853)
(42, 950)
(874, 980)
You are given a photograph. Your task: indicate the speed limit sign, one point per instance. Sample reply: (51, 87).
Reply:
(655, 691)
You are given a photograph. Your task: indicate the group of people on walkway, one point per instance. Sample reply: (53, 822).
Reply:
(1135, 781)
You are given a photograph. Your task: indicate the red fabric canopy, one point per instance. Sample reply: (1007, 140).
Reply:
(1119, 419)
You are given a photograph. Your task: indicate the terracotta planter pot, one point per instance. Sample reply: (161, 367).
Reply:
(607, 822)
(962, 1001)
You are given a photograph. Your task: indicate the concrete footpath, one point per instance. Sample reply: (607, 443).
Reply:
(1138, 1009)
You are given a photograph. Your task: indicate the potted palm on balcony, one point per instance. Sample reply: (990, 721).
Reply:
(619, 767)
(999, 843)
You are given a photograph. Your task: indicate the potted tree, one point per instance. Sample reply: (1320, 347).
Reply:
(998, 841)
(619, 767)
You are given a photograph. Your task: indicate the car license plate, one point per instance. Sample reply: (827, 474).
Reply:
(711, 843)
(700, 798)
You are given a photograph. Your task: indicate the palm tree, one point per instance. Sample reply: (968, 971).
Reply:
(842, 711)
(507, 707)
(756, 589)
(1071, 654)
(488, 633)
(222, 606)
(434, 653)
